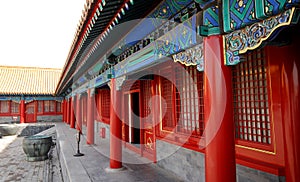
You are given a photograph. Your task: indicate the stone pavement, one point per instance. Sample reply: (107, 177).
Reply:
(63, 166)
(94, 164)
(14, 167)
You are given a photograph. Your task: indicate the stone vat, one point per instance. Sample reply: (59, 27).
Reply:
(9, 129)
(36, 147)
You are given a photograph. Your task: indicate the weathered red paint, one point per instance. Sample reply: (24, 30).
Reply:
(63, 110)
(78, 114)
(90, 117)
(68, 111)
(219, 131)
(115, 127)
(22, 110)
(72, 114)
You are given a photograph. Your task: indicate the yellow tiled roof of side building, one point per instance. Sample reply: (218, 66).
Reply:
(17, 80)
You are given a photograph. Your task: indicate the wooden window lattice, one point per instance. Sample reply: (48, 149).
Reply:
(146, 90)
(58, 106)
(4, 106)
(40, 106)
(105, 103)
(189, 101)
(187, 98)
(251, 102)
(168, 121)
(15, 107)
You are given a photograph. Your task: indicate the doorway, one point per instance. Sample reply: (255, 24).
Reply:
(30, 112)
(132, 119)
(138, 131)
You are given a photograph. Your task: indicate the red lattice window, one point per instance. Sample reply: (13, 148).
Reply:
(40, 106)
(58, 106)
(15, 107)
(105, 103)
(49, 106)
(168, 121)
(251, 100)
(189, 101)
(146, 91)
(4, 106)
(184, 106)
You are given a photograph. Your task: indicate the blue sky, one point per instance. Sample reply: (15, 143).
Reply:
(38, 33)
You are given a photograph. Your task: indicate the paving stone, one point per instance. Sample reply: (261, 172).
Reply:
(94, 162)
(14, 167)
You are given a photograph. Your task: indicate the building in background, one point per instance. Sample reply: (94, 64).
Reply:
(27, 94)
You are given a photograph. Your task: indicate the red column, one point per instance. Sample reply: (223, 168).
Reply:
(90, 117)
(68, 111)
(66, 105)
(63, 110)
(288, 59)
(72, 115)
(22, 110)
(219, 124)
(291, 114)
(78, 113)
(115, 127)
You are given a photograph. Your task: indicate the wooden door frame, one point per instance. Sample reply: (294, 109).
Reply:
(141, 150)
(127, 144)
(34, 104)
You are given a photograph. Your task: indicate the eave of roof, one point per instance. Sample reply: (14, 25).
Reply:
(93, 27)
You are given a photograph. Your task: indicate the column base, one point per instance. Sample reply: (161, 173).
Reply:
(114, 170)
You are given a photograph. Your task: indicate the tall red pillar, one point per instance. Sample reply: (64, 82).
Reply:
(90, 116)
(78, 113)
(68, 111)
(72, 114)
(22, 110)
(63, 110)
(287, 60)
(219, 123)
(115, 127)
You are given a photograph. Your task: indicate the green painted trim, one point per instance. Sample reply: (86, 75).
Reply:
(244, 12)
(296, 17)
(202, 30)
(260, 9)
(226, 16)
(214, 31)
(141, 59)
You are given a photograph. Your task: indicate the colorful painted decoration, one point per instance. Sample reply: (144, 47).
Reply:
(179, 38)
(240, 13)
(211, 21)
(267, 8)
(167, 9)
(249, 38)
(203, 3)
(192, 56)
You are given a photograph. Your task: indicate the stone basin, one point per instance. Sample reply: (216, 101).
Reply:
(36, 147)
(9, 129)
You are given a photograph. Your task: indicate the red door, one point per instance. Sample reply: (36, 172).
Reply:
(147, 120)
(30, 115)
(138, 127)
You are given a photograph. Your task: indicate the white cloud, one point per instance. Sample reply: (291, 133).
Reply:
(38, 33)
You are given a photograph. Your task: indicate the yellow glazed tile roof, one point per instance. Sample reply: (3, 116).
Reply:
(28, 80)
